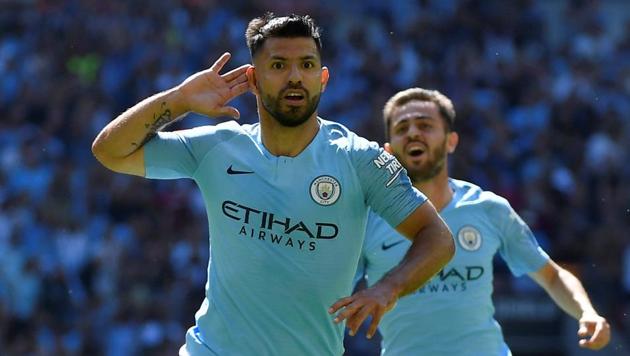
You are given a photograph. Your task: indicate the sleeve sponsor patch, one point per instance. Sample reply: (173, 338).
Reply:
(388, 162)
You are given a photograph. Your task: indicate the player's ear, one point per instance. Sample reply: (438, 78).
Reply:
(251, 79)
(325, 77)
(452, 140)
(388, 148)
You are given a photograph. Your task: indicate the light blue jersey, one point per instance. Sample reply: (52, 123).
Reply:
(286, 233)
(453, 313)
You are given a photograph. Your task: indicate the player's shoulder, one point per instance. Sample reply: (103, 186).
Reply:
(342, 138)
(224, 128)
(468, 193)
(223, 131)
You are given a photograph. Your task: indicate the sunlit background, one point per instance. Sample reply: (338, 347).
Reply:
(96, 263)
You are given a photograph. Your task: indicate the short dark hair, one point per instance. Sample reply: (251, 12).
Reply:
(269, 25)
(444, 104)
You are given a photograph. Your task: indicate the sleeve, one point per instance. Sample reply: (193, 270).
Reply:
(385, 184)
(177, 154)
(519, 248)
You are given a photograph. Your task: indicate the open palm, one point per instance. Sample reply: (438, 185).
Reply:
(208, 92)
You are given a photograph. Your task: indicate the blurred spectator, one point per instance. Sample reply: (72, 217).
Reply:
(88, 269)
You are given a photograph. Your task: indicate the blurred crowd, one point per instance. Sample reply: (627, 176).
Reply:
(96, 263)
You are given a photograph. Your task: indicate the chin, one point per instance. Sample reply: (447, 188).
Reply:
(414, 166)
(292, 122)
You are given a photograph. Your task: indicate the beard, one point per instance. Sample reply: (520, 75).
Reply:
(433, 165)
(292, 116)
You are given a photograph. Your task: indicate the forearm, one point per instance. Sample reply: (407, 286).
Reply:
(569, 294)
(133, 128)
(430, 251)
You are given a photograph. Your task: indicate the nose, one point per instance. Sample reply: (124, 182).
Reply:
(295, 76)
(414, 132)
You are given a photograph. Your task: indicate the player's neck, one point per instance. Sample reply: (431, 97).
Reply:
(437, 189)
(281, 140)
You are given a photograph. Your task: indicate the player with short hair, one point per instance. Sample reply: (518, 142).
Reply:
(453, 313)
(287, 199)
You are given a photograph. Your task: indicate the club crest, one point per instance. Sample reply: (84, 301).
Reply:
(469, 238)
(325, 190)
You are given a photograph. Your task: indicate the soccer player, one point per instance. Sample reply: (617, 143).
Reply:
(287, 199)
(453, 313)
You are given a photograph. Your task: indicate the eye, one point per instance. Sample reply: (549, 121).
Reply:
(308, 65)
(277, 65)
(400, 129)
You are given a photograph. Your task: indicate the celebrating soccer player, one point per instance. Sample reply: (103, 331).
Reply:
(453, 313)
(287, 199)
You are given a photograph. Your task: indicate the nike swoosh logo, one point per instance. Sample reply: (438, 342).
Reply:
(387, 247)
(233, 171)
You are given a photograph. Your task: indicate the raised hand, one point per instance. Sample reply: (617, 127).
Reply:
(208, 92)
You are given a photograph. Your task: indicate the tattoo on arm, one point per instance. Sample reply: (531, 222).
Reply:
(146, 139)
(159, 122)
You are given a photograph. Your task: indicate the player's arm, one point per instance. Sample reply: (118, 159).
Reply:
(569, 294)
(432, 247)
(119, 146)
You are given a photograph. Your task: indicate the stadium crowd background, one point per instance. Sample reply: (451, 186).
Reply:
(96, 263)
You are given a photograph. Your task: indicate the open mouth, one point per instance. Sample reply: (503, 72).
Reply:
(415, 150)
(294, 96)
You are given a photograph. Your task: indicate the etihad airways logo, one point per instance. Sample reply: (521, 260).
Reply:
(452, 279)
(282, 231)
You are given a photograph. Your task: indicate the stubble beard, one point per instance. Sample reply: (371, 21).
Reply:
(431, 168)
(292, 116)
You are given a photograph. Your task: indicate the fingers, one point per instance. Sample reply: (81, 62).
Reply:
(591, 344)
(239, 89)
(348, 312)
(229, 111)
(218, 65)
(584, 343)
(599, 335)
(340, 304)
(236, 73)
(596, 333)
(356, 314)
(376, 319)
(583, 330)
(355, 320)
(242, 79)
(237, 86)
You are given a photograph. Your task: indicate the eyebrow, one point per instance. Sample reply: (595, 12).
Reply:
(280, 58)
(411, 118)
